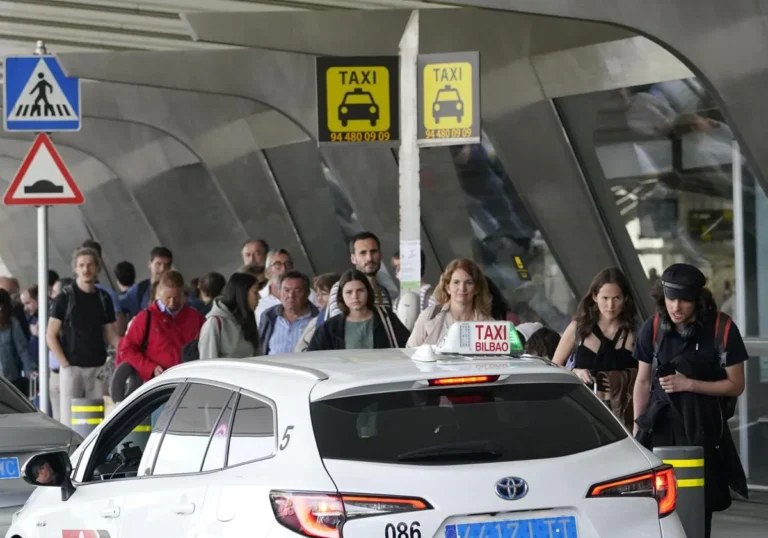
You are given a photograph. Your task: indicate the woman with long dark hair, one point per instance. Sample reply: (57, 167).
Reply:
(14, 349)
(600, 339)
(361, 324)
(230, 329)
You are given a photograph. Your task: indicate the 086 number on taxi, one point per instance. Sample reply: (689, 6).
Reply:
(403, 530)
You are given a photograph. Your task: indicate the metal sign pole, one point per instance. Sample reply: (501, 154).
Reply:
(42, 289)
(410, 199)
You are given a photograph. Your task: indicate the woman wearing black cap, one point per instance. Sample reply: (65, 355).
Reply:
(691, 369)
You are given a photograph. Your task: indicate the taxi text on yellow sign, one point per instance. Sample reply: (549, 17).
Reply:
(358, 99)
(449, 98)
(448, 92)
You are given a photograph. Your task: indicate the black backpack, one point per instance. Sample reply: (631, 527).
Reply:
(191, 351)
(125, 379)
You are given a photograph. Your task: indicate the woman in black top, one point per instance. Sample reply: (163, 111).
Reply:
(361, 325)
(600, 339)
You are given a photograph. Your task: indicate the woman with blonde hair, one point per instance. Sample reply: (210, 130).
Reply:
(462, 295)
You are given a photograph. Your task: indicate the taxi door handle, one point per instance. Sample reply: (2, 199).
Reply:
(184, 509)
(110, 512)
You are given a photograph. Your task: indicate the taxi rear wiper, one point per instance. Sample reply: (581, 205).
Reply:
(466, 450)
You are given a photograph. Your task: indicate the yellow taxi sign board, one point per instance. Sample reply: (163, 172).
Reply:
(358, 99)
(449, 98)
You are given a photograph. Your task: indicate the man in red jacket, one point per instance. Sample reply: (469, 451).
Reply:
(172, 325)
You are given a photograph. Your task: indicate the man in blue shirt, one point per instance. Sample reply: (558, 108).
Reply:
(136, 299)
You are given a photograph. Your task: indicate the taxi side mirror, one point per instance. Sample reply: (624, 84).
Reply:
(50, 469)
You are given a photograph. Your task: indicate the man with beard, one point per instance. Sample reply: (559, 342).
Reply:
(365, 254)
(82, 320)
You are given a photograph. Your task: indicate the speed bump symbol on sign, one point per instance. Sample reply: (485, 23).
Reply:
(444, 86)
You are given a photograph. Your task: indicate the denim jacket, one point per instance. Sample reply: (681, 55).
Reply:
(14, 352)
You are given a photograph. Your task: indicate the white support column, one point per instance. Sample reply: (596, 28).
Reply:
(410, 198)
(42, 289)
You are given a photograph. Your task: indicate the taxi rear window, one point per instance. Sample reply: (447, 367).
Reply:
(504, 422)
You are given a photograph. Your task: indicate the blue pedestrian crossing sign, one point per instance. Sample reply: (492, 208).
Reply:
(38, 96)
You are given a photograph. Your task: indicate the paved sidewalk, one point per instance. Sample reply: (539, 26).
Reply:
(745, 519)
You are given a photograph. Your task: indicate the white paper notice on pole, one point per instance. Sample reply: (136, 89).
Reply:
(410, 265)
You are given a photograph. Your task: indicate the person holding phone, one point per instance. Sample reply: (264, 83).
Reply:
(691, 370)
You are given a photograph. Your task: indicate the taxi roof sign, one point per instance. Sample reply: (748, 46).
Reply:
(469, 338)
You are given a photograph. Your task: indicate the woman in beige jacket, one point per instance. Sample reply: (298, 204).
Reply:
(462, 295)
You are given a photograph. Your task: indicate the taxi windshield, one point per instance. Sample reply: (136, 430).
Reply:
(358, 99)
(448, 95)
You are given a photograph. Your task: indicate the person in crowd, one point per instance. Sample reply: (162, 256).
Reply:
(120, 319)
(54, 368)
(230, 329)
(283, 325)
(44, 473)
(125, 274)
(462, 295)
(361, 324)
(526, 330)
(365, 255)
(31, 306)
(259, 271)
(11, 286)
(53, 278)
(14, 346)
(279, 262)
(254, 252)
(137, 298)
(426, 290)
(82, 320)
(159, 333)
(543, 343)
(211, 286)
(322, 285)
(691, 370)
(600, 339)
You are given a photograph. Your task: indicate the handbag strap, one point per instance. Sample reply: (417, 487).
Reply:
(387, 326)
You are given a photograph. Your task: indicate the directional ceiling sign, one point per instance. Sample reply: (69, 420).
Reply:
(38, 96)
(43, 179)
(449, 98)
(358, 99)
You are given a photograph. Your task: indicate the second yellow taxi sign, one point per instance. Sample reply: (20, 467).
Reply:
(358, 99)
(449, 98)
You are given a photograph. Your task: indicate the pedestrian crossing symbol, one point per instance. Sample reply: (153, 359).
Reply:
(38, 96)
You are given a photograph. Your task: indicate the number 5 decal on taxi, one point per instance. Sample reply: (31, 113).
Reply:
(286, 438)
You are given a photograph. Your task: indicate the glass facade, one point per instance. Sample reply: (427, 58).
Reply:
(506, 242)
(663, 164)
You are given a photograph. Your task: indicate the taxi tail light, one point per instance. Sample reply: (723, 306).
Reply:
(321, 515)
(659, 483)
(465, 380)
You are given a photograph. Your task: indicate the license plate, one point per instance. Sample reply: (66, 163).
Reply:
(9, 468)
(546, 527)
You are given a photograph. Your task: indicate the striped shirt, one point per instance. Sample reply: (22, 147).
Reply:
(382, 298)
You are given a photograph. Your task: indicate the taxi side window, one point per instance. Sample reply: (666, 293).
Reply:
(215, 458)
(253, 431)
(186, 440)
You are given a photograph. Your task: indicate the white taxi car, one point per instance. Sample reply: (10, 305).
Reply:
(447, 442)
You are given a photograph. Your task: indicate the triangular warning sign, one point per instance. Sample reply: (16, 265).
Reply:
(43, 178)
(42, 98)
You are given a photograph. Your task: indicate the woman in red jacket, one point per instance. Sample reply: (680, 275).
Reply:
(172, 325)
